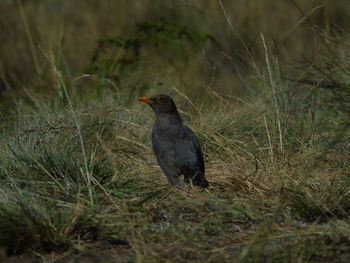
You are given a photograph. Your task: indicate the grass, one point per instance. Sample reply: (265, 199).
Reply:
(79, 181)
(72, 31)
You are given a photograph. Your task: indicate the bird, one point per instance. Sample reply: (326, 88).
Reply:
(176, 147)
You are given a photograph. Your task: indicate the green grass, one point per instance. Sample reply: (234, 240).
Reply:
(79, 181)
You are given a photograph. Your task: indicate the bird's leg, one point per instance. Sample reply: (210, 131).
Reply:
(190, 183)
(175, 181)
(168, 190)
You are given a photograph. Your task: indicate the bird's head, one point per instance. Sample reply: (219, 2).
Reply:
(161, 104)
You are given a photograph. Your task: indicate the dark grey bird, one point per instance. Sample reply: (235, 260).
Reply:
(176, 147)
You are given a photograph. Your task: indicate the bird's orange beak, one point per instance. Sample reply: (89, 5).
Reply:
(147, 100)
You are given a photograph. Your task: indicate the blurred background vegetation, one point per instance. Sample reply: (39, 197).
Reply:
(161, 44)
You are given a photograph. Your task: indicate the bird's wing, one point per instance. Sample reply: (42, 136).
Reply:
(192, 146)
(165, 154)
(164, 151)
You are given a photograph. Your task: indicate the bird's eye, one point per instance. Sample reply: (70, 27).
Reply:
(159, 99)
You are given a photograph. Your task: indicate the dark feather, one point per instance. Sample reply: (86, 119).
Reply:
(175, 145)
